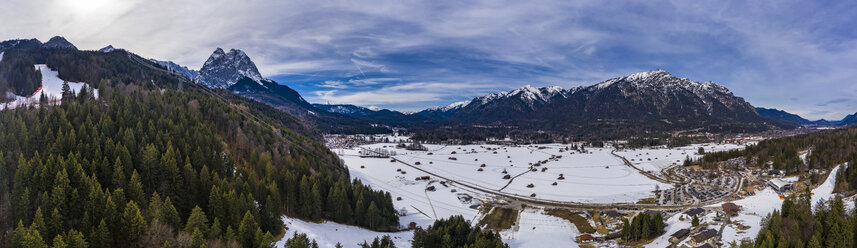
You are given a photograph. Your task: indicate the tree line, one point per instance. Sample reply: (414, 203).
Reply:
(644, 226)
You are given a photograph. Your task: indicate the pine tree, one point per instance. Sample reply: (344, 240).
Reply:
(135, 188)
(75, 239)
(100, 236)
(197, 220)
(197, 238)
(247, 229)
(134, 226)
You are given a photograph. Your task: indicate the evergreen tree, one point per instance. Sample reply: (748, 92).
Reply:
(134, 226)
(197, 220)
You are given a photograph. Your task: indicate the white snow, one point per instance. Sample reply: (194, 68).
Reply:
(537, 229)
(327, 234)
(824, 191)
(1, 56)
(596, 177)
(755, 208)
(653, 160)
(673, 225)
(51, 87)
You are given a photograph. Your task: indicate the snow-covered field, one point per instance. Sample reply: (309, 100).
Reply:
(51, 87)
(595, 177)
(653, 160)
(537, 229)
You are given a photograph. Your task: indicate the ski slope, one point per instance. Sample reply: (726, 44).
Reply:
(327, 234)
(51, 88)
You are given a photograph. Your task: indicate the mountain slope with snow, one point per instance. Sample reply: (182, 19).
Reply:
(223, 70)
(51, 89)
(173, 67)
(651, 100)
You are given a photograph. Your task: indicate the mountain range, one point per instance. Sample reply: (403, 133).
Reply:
(789, 118)
(646, 101)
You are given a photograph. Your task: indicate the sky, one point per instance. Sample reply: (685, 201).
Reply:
(799, 56)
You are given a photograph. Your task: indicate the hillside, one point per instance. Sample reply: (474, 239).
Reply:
(156, 159)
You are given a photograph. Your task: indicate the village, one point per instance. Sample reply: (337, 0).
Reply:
(586, 192)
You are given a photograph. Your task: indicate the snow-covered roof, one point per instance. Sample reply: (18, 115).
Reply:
(779, 183)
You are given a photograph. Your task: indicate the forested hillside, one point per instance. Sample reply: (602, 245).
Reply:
(797, 225)
(826, 149)
(158, 161)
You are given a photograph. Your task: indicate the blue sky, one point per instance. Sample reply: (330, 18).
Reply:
(799, 56)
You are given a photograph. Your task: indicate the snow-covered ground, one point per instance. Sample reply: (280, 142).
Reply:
(423, 206)
(673, 224)
(653, 160)
(51, 87)
(755, 208)
(327, 234)
(596, 176)
(1, 56)
(537, 229)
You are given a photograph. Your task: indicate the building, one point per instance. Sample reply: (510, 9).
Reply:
(693, 212)
(703, 237)
(584, 238)
(779, 185)
(679, 235)
(612, 214)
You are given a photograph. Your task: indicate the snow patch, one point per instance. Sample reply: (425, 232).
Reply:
(51, 88)
(327, 234)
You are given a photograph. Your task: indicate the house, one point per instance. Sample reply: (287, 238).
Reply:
(584, 238)
(693, 212)
(612, 214)
(703, 237)
(779, 185)
(679, 235)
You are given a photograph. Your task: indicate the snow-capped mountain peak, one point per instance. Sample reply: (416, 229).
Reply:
(107, 49)
(527, 93)
(222, 69)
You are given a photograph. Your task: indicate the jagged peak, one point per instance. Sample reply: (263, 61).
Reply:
(59, 42)
(222, 69)
(107, 49)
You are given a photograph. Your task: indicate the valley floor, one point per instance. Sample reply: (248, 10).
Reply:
(443, 181)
